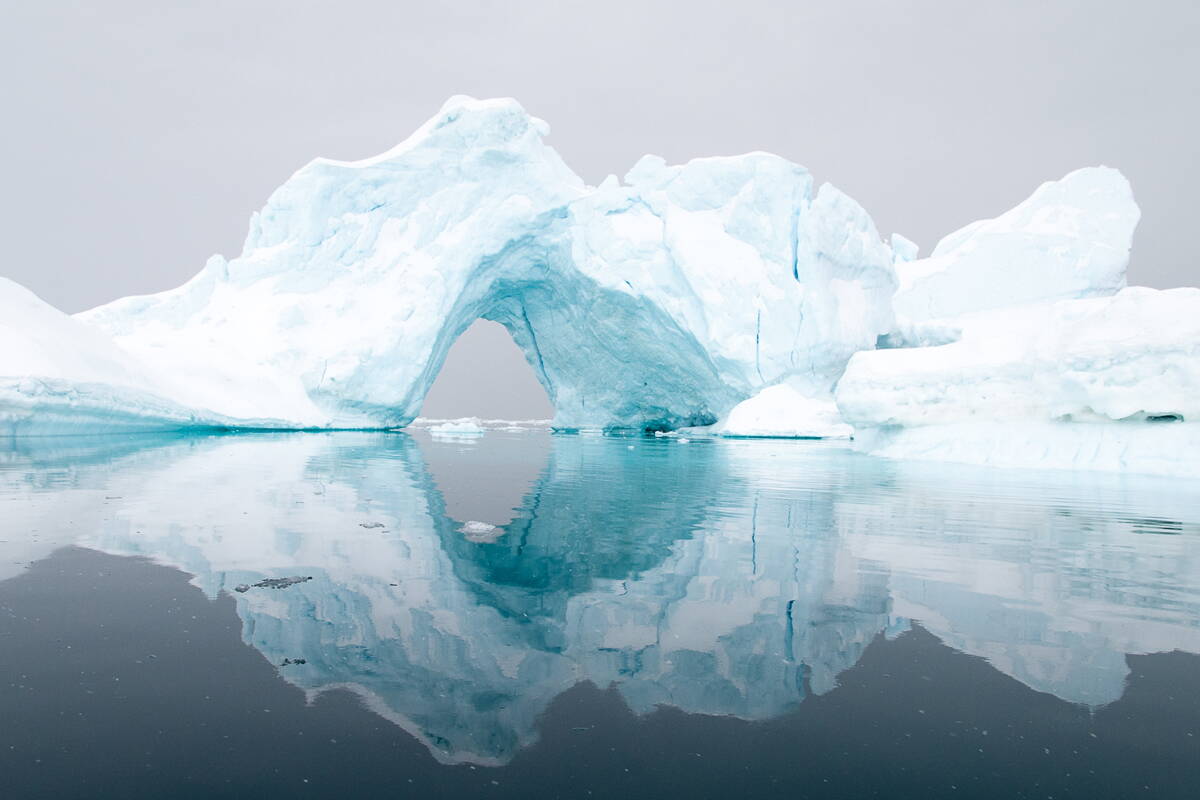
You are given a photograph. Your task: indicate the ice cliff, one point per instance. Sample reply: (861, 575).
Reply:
(732, 291)
(1017, 344)
(59, 374)
(1069, 239)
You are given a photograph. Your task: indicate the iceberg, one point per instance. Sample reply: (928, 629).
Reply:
(728, 293)
(1106, 382)
(655, 303)
(1017, 344)
(59, 374)
(1069, 239)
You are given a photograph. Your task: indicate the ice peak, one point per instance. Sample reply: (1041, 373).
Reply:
(463, 123)
(1070, 238)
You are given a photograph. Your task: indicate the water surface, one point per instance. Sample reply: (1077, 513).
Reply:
(529, 615)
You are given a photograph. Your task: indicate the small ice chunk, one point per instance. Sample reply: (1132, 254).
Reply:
(481, 532)
(467, 426)
(781, 411)
(904, 249)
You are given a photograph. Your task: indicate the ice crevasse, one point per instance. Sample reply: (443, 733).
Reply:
(725, 292)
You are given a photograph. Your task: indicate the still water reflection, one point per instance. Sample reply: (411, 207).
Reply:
(458, 586)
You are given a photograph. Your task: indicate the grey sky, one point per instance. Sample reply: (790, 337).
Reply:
(141, 135)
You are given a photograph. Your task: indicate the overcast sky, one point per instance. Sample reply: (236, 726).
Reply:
(140, 136)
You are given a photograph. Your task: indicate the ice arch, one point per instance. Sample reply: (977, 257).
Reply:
(606, 358)
(655, 303)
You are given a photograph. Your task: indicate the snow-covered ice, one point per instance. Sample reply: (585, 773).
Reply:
(726, 292)
(1017, 345)
(58, 374)
(782, 412)
(654, 303)
(1106, 382)
(1127, 357)
(1069, 239)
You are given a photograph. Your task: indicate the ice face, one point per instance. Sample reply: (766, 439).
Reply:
(658, 303)
(1015, 338)
(1069, 239)
(61, 375)
(1027, 386)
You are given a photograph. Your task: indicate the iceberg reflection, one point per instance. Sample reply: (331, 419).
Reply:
(718, 577)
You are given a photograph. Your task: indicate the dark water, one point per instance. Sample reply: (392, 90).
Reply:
(646, 618)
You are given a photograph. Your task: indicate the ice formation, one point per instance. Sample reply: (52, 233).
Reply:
(1069, 239)
(656, 303)
(1107, 382)
(725, 292)
(781, 411)
(59, 374)
(1129, 357)
(1016, 344)
(467, 426)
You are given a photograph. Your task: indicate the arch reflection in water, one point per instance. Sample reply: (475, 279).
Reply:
(718, 577)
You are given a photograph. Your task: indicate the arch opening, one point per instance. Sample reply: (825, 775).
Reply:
(486, 375)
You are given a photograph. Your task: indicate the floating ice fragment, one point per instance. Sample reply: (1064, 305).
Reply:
(481, 532)
(467, 426)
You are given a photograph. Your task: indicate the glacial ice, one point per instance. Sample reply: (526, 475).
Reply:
(656, 303)
(1069, 239)
(59, 374)
(1105, 382)
(726, 292)
(1017, 345)
(1131, 356)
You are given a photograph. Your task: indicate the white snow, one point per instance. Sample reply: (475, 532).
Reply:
(1069, 239)
(1131, 360)
(59, 374)
(781, 411)
(1125, 357)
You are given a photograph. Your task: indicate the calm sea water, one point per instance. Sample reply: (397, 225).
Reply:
(527, 615)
